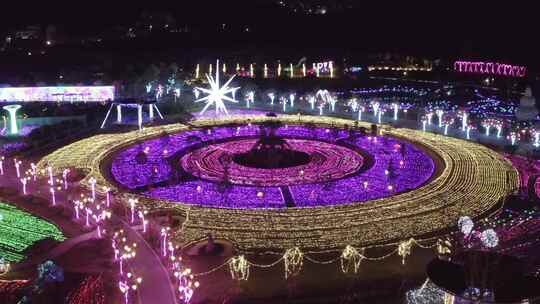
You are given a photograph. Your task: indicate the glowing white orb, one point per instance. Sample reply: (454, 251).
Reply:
(465, 225)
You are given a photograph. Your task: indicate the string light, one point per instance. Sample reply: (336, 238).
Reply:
(351, 259)
(460, 188)
(294, 259)
(239, 268)
(404, 249)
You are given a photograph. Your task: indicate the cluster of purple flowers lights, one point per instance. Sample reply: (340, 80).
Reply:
(152, 168)
(328, 162)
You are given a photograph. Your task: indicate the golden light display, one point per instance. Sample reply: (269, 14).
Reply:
(239, 267)
(293, 259)
(472, 180)
(351, 259)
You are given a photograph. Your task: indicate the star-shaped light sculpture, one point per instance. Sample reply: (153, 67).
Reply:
(216, 94)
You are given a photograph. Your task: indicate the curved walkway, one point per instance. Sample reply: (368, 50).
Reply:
(156, 287)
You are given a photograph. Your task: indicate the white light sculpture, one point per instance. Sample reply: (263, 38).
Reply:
(217, 95)
(312, 102)
(465, 225)
(489, 238)
(272, 97)
(12, 110)
(250, 98)
(463, 121)
(440, 114)
(429, 117)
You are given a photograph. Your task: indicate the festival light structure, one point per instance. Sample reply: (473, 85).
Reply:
(465, 225)
(250, 98)
(448, 120)
(360, 110)
(514, 136)
(20, 230)
(12, 110)
(58, 94)
(291, 69)
(17, 164)
(312, 101)
(376, 107)
(490, 68)
(177, 93)
(429, 117)
(24, 180)
(489, 123)
(420, 209)
(489, 238)
(468, 131)
(350, 259)
(239, 268)
(294, 260)
(132, 103)
(217, 94)
(291, 98)
(440, 115)
(396, 110)
(272, 97)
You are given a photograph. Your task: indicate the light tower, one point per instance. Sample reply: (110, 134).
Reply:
(12, 110)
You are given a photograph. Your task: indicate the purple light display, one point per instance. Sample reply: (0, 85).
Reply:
(490, 68)
(152, 168)
(59, 94)
(332, 162)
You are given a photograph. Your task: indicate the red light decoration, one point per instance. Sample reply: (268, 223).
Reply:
(490, 68)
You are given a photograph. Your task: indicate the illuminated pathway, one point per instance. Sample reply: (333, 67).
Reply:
(157, 286)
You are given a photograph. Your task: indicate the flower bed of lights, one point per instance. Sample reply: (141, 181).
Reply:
(19, 230)
(332, 177)
(473, 180)
(11, 291)
(90, 291)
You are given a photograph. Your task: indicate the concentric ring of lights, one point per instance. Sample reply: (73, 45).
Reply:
(473, 181)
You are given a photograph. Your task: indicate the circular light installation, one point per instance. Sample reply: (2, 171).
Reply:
(472, 181)
(324, 162)
(340, 164)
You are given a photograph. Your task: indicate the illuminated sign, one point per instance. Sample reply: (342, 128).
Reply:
(59, 94)
(490, 68)
(324, 67)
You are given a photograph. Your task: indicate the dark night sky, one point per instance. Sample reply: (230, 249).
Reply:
(507, 31)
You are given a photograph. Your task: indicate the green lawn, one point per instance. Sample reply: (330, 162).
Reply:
(20, 229)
